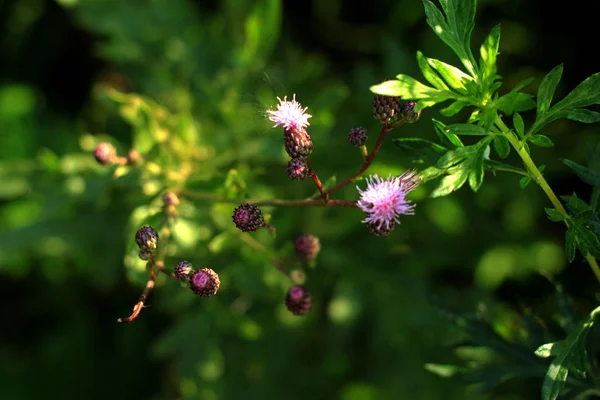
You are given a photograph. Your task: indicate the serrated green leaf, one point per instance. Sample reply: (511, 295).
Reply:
(546, 90)
(519, 124)
(541, 140)
(515, 101)
(410, 89)
(501, 145)
(574, 204)
(455, 29)
(476, 165)
(454, 77)
(450, 183)
(588, 175)
(558, 371)
(585, 94)
(466, 129)
(489, 52)
(584, 115)
(554, 215)
(455, 156)
(429, 74)
(454, 108)
(440, 129)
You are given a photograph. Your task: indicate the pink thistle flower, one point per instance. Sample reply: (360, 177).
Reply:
(385, 200)
(289, 114)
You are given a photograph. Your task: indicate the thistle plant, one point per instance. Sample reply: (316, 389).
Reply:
(494, 127)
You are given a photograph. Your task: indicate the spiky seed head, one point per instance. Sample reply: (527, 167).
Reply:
(298, 300)
(297, 169)
(357, 136)
(205, 282)
(183, 270)
(248, 218)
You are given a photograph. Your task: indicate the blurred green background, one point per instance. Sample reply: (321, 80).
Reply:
(214, 67)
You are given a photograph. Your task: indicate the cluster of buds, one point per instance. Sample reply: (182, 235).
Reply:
(297, 141)
(147, 240)
(106, 154)
(203, 282)
(389, 109)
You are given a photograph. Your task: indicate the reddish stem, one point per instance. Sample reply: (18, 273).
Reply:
(140, 304)
(317, 181)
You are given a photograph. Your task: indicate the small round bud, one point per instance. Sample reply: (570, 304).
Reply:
(145, 255)
(134, 157)
(170, 199)
(298, 300)
(105, 153)
(183, 270)
(147, 238)
(307, 246)
(382, 230)
(248, 218)
(298, 143)
(357, 136)
(205, 282)
(386, 109)
(297, 169)
(408, 112)
(297, 276)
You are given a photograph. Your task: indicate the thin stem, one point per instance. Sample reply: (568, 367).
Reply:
(271, 202)
(364, 152)
(539, 178)
(366, 164)
(317, 181)
(140, 304)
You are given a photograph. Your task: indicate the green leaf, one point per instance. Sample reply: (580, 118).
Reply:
(585, 94)
(451, 138)
(501, 145)
(583, 115)
(588, 175)
(524, 181)
(429, 74)
(558, 371)
(466, 129)
(541, 140)
(515, 101)
(409, 88)
(450, 183)
(454, 108)
(546, 90)
(489, 52)
(455, 29)
(519, 124)
(422, 151)
(455, 156)
(453, 76)
(550, 349)
(554, 215)
(493, 165)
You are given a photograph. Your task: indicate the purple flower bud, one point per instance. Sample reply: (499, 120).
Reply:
(298, 143)
(248, 218)
(147, 238)
(386, 109)
(307, 246)
(170, 199)
(357, 136)
(297, 169)
(408, 112)
(145, 255)
(105, 153)
(298, 300)
(381, 230)
(183, 270)
(205, 282)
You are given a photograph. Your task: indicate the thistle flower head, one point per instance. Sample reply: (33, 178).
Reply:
(298, 300)
(289, 114)
(385, 200)
(205, 282)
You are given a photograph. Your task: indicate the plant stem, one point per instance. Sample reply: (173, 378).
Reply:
(364, 152)
(149, 286)
(539, 178)
(272, 202)
(317, 181)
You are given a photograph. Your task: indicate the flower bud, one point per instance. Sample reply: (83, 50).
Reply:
(298, 300)
(298, 143)
(170, 199)
(297, 169)
(248, 218)
(183, 270)
(381, 229)
(105, 153)
(386, 109)
(145, 255)
(147, 238)
(307, 246)
(205, 282)
(134, 157)
(408, 112)
(357, 136)
(297, 276)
